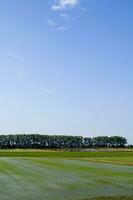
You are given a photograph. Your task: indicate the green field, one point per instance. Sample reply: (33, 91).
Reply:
(43, 175)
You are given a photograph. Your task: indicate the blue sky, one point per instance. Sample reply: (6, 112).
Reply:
(66, 67)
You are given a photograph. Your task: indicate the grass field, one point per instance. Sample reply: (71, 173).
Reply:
(43, 175)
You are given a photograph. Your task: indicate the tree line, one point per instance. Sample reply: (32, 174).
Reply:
(59, 141)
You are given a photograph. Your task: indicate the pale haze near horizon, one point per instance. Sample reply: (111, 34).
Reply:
(66, 68)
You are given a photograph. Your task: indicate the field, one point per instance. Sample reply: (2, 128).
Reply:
(43, 175)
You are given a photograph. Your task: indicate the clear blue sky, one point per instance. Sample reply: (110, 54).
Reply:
(66, 67)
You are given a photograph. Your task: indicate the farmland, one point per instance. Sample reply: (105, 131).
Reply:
(49, 175)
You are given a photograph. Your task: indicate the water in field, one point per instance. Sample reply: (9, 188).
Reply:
(63, 179)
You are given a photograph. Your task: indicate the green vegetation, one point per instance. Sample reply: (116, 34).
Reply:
(63, 154)
(43, 175)
(59, 141)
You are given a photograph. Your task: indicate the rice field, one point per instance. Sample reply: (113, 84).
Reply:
(43, 175)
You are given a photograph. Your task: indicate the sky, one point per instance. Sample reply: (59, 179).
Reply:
(66, 67)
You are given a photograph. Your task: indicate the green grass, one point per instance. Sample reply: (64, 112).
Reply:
(126, 160)
(61, 154)
(35, 175)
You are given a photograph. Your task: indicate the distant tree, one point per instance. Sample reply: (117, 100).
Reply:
(87, 142)
(117, 141)
(59, 141)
